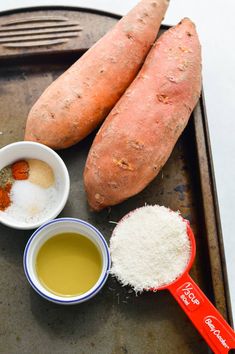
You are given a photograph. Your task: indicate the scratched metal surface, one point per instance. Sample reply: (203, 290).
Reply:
(115, 321)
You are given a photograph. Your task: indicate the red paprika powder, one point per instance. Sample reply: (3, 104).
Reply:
(20, 170)
(4, 199)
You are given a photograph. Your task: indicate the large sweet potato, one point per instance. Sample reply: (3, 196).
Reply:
(74, 104)
(140, 132)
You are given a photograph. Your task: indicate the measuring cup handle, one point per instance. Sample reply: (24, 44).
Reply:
(205, 317)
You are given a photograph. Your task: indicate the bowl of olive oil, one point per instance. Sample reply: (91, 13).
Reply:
(67, 261)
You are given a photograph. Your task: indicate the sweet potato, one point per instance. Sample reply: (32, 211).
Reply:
(140, 132)
(74, 104)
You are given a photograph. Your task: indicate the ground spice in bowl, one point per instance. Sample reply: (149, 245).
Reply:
(4, 199)
(27, 190)
(6, 177)
(41, 173)
(17, 171)
(20, 170)
(6, 180)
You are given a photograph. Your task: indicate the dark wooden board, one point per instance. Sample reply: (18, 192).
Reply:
(115, 321)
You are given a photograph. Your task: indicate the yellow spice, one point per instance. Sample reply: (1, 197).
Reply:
(40, 173)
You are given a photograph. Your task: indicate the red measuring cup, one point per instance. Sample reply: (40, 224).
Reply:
(205, 317)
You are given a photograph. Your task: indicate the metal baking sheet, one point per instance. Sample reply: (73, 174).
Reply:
(115, 321)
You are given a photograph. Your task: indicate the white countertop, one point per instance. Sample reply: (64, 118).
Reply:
(216, 27)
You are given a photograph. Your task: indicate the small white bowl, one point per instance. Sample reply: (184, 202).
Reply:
(50, 229)
(31, 150)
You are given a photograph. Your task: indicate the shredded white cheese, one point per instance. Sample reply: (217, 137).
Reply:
(149, 248)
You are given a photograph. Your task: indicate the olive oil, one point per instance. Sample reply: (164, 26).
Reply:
(68, 264)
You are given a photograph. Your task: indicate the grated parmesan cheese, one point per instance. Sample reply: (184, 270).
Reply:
(149, 248)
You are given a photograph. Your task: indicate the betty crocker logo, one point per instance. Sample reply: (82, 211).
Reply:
(213, 327)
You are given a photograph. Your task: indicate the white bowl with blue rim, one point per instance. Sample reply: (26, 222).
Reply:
(50, 229)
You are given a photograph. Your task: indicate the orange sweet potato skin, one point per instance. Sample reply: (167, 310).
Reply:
(140, 132)
(74, 104)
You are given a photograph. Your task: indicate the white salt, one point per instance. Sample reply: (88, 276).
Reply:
(30, 203)
(149, 248)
